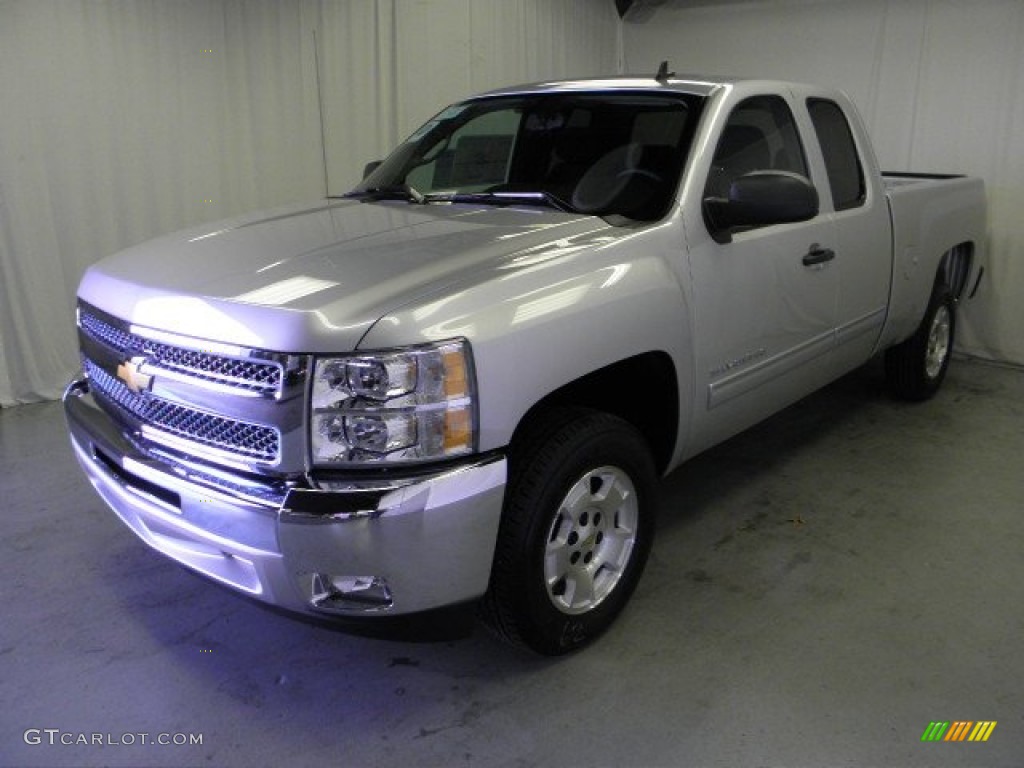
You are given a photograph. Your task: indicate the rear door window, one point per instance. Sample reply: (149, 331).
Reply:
(845, 174)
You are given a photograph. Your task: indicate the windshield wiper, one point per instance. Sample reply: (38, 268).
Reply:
(406, 192)
(501, 198)
(390, 192)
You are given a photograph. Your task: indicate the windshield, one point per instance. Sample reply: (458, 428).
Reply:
(597, 153)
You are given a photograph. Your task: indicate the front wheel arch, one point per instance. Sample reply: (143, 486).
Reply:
(560, 454)
(656, 415)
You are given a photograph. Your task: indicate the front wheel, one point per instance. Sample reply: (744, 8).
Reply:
(576, 530)
(916, 367)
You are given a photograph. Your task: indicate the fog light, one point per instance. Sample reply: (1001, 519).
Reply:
(348, 594)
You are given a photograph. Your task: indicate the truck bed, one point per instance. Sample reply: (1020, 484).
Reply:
(894, 179)
(932, 214)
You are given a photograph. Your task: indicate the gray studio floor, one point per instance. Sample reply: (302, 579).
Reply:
(822, 588)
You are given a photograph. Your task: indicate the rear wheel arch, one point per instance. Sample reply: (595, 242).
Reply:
(915, 368)
(955, 269)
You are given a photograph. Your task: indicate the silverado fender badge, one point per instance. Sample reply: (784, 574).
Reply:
(131, 374)
(750, 357)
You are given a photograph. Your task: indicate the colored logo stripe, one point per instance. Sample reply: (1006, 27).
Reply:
(958, 730)
(983, 730)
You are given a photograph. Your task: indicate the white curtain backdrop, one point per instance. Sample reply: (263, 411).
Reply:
(389, 65)
(940, 84)
(123, 119)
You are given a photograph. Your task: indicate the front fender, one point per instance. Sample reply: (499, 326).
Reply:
(540, 323)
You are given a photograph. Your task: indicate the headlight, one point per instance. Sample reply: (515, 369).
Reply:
(408, 405)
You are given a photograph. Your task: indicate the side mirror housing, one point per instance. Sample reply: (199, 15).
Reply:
(760, 199)
(370, 167)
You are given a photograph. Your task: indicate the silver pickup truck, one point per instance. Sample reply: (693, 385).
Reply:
(457, 384)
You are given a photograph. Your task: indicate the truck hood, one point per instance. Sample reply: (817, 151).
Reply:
(314, 278)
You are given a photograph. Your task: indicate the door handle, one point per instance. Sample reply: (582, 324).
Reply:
(818, 255)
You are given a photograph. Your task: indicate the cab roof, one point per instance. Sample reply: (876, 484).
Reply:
(696, 85)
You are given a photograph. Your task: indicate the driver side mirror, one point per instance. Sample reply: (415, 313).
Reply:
(370, 167)
(760, 199)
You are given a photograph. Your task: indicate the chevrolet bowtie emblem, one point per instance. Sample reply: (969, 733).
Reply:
(130, 372)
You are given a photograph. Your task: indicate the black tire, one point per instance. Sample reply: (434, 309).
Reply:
(916, 367)
(580, 499)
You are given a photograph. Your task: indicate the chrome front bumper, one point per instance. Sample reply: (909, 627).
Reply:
(419, 544)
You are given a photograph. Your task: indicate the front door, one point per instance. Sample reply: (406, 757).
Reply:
(764, 304)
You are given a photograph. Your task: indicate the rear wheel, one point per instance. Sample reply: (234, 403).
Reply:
(916, 367)
(576, 530)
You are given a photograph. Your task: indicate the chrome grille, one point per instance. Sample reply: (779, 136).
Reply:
(231, 436)
(250, 375)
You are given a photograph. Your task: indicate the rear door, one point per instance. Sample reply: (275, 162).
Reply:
(862, 230)
(764, 314)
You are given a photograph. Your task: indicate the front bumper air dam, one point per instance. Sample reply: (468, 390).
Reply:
(423, 545)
